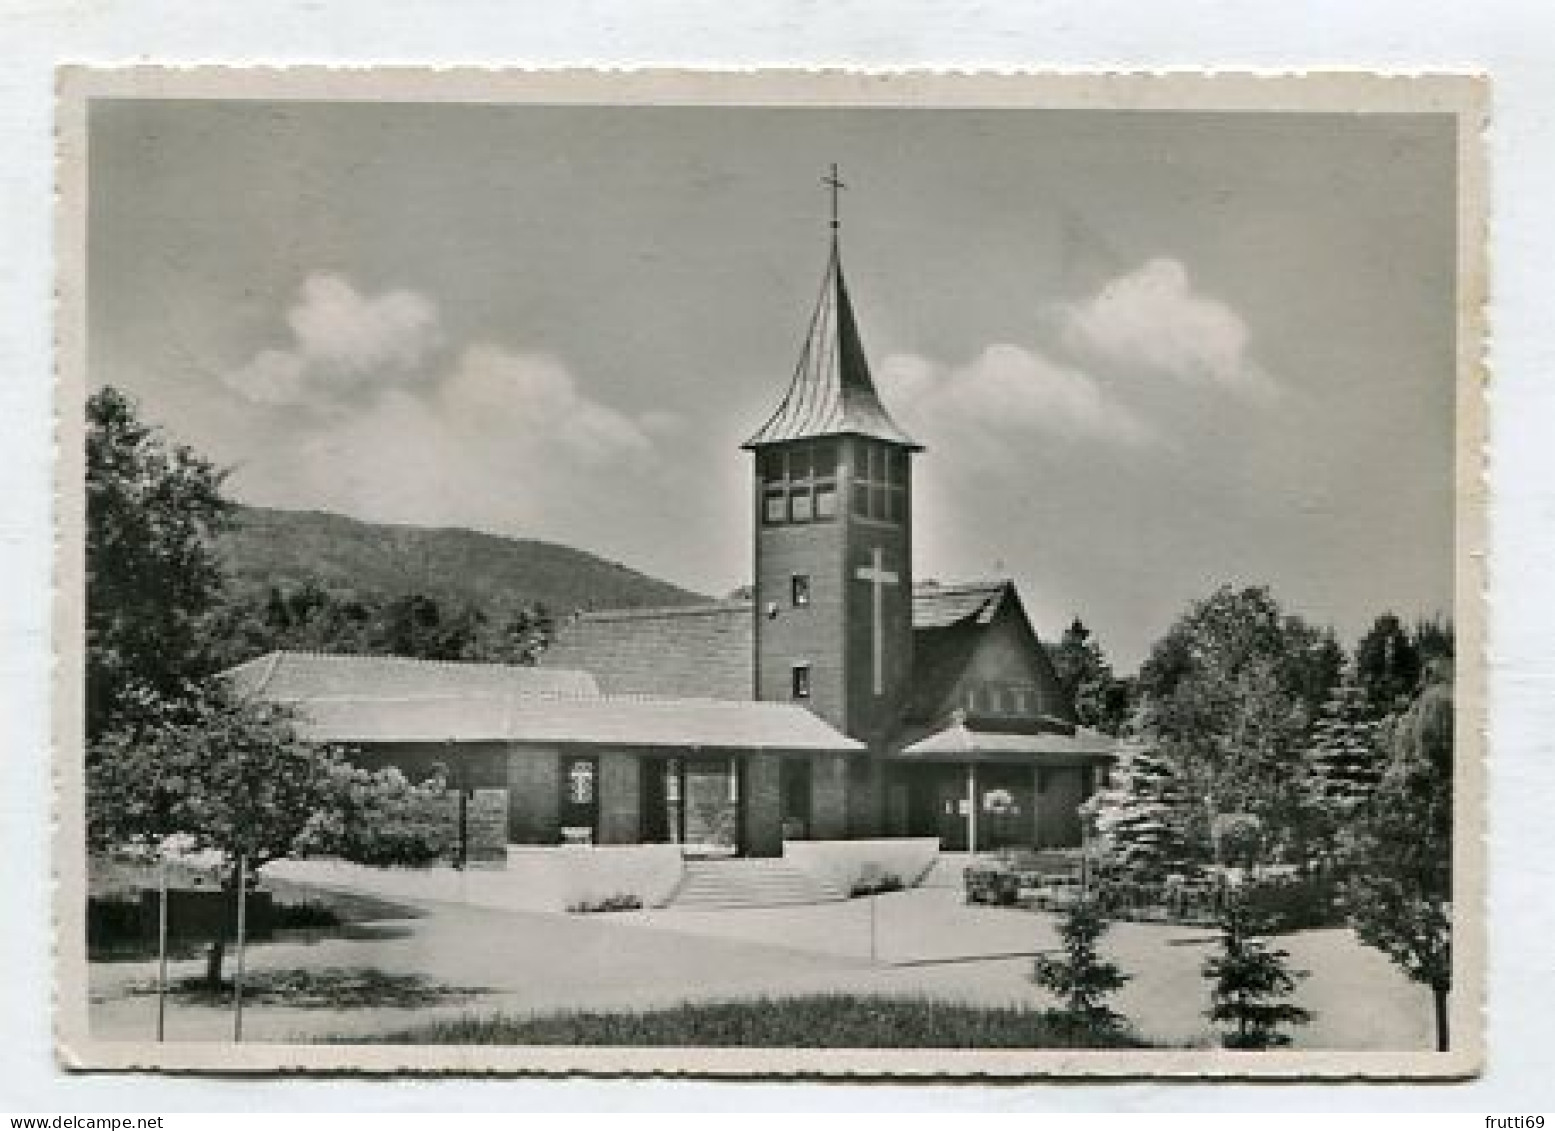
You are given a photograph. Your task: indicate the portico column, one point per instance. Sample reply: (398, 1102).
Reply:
(971, 806)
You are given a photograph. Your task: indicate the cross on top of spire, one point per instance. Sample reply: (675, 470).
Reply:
(834, 182)
(832, 393)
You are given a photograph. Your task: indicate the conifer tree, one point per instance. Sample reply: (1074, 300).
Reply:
(1250, 985)
(1140, 814)
(1082, 979)
(1343, 766)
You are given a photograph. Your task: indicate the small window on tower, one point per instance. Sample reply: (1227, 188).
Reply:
(799, 589)
(776, 507)
(801, 676)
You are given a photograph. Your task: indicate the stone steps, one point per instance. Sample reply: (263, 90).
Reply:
(709, 884)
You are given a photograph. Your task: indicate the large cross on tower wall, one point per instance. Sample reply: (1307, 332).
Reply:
(878, 577)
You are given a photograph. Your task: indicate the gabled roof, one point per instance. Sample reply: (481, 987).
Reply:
(939, 606)
(706, 651)
(950, 624)
(685, 650)
(636, 721)
(962, 743)
(283, 676)
(832, 393)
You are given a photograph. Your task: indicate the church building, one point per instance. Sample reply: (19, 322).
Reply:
(842, 699)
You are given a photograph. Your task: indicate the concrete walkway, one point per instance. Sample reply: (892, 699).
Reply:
(927, 943)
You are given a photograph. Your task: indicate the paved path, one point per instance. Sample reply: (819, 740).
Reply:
(927, 943)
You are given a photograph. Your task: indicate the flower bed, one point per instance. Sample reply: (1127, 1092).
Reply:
(865, 865)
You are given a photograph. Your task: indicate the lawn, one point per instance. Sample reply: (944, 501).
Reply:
(840, 1021)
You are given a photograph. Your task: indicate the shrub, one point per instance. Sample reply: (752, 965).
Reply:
(623, 901)
(991, 883)
(875, 883)
(309, 914)
(1280, 904)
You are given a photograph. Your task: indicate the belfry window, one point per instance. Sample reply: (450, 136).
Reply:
(799, 483)
(879, 482)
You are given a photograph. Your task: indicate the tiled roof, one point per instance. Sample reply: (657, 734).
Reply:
(600, 721)
(311, 675)
(832, 393)
(960, 742)
(706, 650)
(689, 650)
(939, 606)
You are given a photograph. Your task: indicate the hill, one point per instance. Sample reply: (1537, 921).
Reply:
(268, 547)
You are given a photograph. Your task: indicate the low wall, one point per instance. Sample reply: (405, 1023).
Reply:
(844, 863)
(573, 874)
(535, 879)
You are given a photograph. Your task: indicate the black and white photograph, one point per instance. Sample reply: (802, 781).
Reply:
(770, 574)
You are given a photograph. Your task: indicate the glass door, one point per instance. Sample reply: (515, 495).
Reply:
(710, 807)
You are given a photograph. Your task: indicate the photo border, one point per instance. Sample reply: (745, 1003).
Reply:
(1463, 95)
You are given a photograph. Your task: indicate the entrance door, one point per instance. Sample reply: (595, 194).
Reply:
(711, 807)
(795, 784)
(951, 806)
(661, 800)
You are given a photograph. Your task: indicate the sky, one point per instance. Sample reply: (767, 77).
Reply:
(1147, 353)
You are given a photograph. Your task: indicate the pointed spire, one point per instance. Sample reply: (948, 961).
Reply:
(832, 393)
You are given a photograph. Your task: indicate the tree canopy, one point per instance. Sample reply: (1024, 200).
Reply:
(1226, 699)
(1101, 699)
(1400, 896)
(153, 509)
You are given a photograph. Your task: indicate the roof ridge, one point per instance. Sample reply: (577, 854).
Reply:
(703, 609)
(930, 586)
(422, 661)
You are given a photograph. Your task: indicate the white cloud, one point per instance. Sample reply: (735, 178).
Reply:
(533, 401)
(1005, 394)
(1153, 320)
(342, 342)
(386, 424)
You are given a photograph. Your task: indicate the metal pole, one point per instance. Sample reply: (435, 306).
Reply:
(874, 952)
(464, 827)
(237, 977)
(162, 952)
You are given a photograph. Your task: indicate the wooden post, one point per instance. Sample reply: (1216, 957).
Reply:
(237, 976)
(162, 952)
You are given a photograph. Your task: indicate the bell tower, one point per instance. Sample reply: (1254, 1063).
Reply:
(833, 530)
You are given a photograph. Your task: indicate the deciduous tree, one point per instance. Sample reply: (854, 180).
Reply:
(1227, 696)
(1400, 897)
(153, 509)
